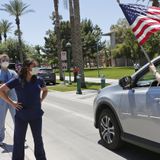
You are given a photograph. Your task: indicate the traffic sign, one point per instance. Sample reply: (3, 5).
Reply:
(63, 55)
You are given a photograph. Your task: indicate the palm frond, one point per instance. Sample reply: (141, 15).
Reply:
(6, 25)
(16, 8)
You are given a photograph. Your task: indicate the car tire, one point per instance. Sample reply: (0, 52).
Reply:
(109, 130)
(53, 82)
(47, 83)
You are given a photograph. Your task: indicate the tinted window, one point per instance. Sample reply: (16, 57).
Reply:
(11, 66)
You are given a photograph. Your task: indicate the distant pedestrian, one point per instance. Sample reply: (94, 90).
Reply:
(75, 73)
(31, 91)
(5, 75)
(136, 66)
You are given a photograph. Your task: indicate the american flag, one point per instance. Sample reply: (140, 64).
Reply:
(143, 20)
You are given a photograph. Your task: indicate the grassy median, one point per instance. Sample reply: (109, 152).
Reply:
(73, 87)
(109, 72)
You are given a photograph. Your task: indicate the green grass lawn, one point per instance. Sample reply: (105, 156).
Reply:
(73, 87)
(109, 72)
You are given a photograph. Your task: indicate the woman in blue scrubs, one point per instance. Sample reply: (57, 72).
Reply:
(31, 91)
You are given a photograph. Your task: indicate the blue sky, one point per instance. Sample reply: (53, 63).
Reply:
(104, 13)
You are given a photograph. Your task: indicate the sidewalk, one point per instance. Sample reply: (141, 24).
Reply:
(6, 149)
(91, 79)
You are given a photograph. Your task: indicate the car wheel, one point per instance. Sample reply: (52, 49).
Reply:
(109, 130)
(53, 82)
(47, 83)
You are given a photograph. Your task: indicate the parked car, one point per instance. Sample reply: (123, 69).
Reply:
(11, 66)
(130, 111)
(48, 75)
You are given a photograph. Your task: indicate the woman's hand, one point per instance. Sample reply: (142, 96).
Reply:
(17, 105)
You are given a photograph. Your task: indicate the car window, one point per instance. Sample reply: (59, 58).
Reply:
(147, 79)
(11, 66)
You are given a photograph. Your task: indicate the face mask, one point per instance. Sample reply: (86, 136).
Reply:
(4, 64)
(34, 71)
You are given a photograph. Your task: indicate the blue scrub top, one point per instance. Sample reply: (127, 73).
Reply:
(6, 75)
(28, 95)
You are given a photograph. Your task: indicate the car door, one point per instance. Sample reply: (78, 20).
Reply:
(153, 114)
(140, 108)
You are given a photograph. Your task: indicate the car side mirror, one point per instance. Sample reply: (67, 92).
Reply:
(125, 82)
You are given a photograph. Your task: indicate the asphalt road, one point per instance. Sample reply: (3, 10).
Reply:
(69, 133)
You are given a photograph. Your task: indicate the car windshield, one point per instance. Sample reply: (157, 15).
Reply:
(45, 71)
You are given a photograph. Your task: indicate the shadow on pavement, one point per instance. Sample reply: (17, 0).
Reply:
(132, 152)
(7, 148)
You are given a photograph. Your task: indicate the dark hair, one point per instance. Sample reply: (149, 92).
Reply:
(23, 72)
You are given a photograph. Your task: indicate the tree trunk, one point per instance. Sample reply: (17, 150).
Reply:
(5, 37)
(71, 10)
(0, 38)
(155, 3)
(57, 30)
(78, 44)
(89, 62)
(19, 39)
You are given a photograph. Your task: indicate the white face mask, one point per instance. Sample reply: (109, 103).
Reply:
(34, 71)
(4, 64)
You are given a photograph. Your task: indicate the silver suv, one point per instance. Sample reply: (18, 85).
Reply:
(130, 111)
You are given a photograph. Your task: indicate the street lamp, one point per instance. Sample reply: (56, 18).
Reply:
(68, 46)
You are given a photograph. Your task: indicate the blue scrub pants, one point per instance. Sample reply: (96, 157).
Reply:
(19, 138)
(3, 112)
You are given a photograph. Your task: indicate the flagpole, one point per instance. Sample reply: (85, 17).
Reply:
(145, 53)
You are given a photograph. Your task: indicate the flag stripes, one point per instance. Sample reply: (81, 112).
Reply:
(143, 23)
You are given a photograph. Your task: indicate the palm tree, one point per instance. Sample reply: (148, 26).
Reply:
(74, 11)
(1, 33)
(78, 44)
(71, 11)
(57, 30)
(17, 8)
(6, 27)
